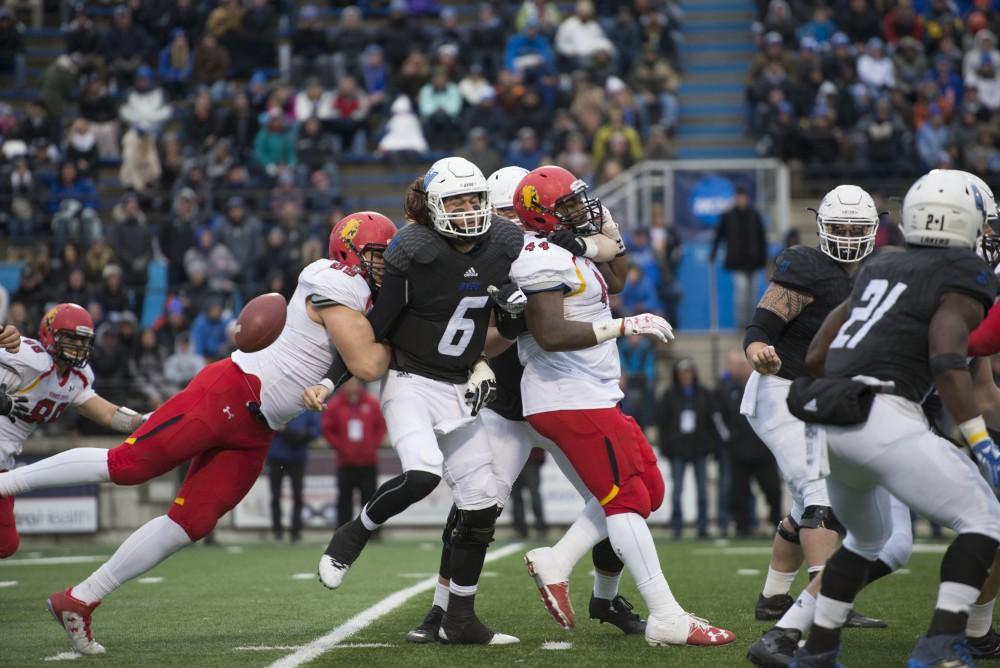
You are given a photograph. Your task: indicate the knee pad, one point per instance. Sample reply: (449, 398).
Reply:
(196, 520)
(791, 536)
(844, 575)
(474, 528)
(968, 559)
(653, 480)
(605, 559)
(449, 525)
(9, 542)
(398, 494)
(632, 497)
(821, 517)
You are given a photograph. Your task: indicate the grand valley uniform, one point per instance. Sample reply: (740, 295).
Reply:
(436, 338)
(886, 337)
(32, 373)
(224, 420)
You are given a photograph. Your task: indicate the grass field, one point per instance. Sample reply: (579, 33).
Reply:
(255, 604)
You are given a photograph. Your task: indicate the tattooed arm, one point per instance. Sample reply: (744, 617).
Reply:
(784, 302)
(778, 307)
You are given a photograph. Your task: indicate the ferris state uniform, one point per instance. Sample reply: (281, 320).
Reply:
(225, 419)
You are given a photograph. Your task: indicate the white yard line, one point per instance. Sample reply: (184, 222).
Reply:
(304, 576)
(53, 561)
(150, 580)
(8, 583)
(63, 656)
(269, 648)
(556, 644)
(363, 619)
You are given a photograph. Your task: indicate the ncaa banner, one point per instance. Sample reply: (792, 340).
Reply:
(701, 197)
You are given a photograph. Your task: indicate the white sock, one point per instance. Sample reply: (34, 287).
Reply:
(70, 467)
(980, 619)
(800, 615)
(441, 595)
(955, 597)
(778, 582)
(148, 545)
(368, 522)
(582, 535)
(606, 586)
(633, 544)
(831, 613)
(462, 590)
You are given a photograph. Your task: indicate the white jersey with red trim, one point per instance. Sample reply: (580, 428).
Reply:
(31, 373)
(571, 380)
(303, 352)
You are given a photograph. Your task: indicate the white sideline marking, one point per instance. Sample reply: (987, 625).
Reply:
(269, 648)
(417, 576)
(748, 551)
(304, 576)
(53, 561)
(366, 617)
(150, 580)
(63, 656)
(8, 583)
(748, 571)
(556, 644)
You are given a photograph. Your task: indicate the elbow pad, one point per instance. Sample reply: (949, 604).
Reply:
(765, 326)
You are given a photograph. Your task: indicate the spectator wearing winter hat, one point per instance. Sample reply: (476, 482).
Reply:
(274, 145)
(208, 331)
(112, 295)
(404, 134)
(820, 27)
(984, 43)
(875, 69)
(176, 63)
(986, 81)
(146, 105)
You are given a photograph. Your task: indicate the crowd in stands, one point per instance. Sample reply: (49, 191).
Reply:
(890, 87)
(209, 138)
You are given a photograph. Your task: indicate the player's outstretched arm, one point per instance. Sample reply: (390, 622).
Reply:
(119, 418)
(354, 338)
(820, 344)
(948, 338)
(987, 392)
(554, 333)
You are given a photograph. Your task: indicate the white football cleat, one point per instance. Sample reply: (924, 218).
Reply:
(331, 572)
(74, 615)
(685, 630)
(553, 585)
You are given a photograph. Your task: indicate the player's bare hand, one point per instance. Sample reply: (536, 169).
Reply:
(10, 339)
(314, 397)
(764, 359)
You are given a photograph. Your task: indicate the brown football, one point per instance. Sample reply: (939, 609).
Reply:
(260, 322)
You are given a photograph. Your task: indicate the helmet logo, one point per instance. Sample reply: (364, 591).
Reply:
(529, 197)
(51, 315)
(350, 230)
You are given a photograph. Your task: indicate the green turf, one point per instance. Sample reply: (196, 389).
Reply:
(212, 601)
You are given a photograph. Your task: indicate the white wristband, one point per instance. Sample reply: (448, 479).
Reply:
(605, 330)
(974, 430)
(591, 248)
(123, 420)
(328, 384)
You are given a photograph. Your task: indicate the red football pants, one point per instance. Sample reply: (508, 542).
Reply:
(208, 423)
(610, 454)
(9, 540)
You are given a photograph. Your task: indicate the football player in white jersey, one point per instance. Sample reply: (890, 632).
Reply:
(38, 382)
(570, 389)
(224, 420)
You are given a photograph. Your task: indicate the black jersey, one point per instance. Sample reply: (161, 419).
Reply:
(442, 330)
(508, 370)
(810, 271)
(895, 295)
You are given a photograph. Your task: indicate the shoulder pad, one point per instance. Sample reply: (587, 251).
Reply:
(414, 244)
(542, 263)
(799, 267)
(508, 236)
(326, 282)
(962, 270)
(29, 361)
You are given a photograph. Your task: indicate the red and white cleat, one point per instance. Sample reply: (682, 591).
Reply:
(74, 615)
(686, 630)
(553, 585)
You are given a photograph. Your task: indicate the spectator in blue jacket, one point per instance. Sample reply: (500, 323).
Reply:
(70, 185)
(640, 294)
(529, 52)
(287, 456)
(176, 60)
(638, 361)
(208, 331)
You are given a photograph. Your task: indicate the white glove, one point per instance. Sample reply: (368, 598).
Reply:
(644, 323)
(509, 298)
(611, 231)
(481, 388)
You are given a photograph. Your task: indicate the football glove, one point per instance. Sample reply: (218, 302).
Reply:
(509, 298)
(644, 323)
(984, 450)
(13, 406)
(481, 387)
(569, 240)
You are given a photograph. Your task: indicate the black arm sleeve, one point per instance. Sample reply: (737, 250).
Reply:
(766, 326)
(392, 298)
(338, 374)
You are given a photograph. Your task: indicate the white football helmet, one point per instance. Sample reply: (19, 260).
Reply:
(988, 245)
(449, 177)
(503, 183)
(944, 208)
(847, 220)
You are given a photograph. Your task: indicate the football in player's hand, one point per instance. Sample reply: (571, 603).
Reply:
(260, 322)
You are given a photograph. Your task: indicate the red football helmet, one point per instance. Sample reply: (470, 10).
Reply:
(360, 233)
(67, 332)
(550, 197)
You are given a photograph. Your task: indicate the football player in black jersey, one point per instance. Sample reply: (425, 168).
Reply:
(511, 440)
(903, 330)
(807, 283)
(433, 310)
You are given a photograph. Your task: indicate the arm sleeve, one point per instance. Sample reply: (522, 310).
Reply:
(392, 299)
(985, 339)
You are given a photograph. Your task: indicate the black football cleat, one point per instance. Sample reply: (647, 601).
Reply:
(987, 646)
(803, 659)
(775, 649)
(471, 631)
(617, 612)
(344, 548)
(856, 620)
(427, 632)
(772, 608)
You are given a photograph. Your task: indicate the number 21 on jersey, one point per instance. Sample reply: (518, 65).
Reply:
(876, 300)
